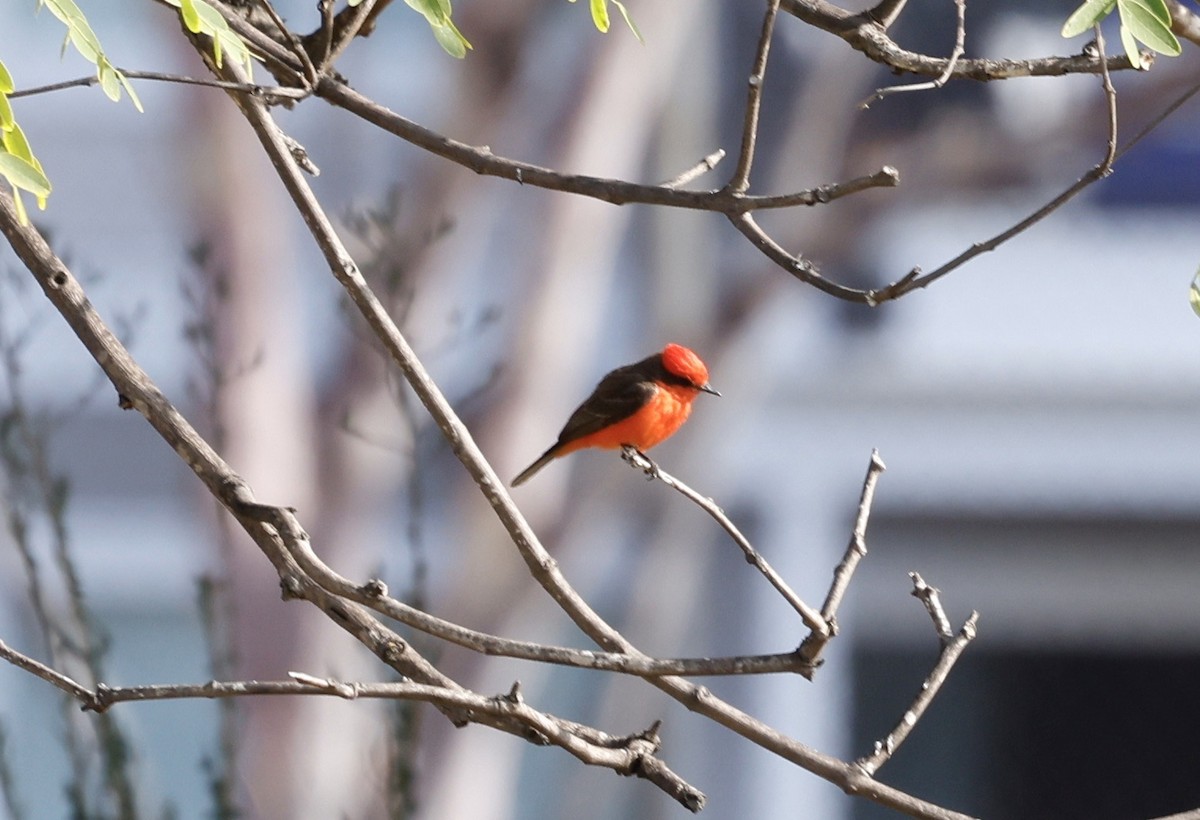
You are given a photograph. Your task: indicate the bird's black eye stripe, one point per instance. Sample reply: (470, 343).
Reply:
(671, 378)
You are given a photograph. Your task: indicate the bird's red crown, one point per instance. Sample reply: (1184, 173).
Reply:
(682, 362)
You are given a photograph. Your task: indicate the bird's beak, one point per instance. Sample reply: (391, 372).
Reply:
(708, 388)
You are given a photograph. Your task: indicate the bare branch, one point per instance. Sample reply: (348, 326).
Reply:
(952, 647)
(1185, 23)
(271, 93)
(930, 598)
(812, 618)
(1102, 169)
(960, 39)
(631, 755)
(374, 594)
(796, 265)
(699, 169)
(860, 31)
(39, 669)
(311, 72)
(815, 643)
(481, 160)
(863, 33)
(542, 566)
(740, 181)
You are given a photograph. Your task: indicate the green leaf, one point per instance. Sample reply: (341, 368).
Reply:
(1194, 293)
(6, 80)
(600, 15)
(23, 174)
(15, 143)
(191, 17)
(133, 97)
(85, 43)
(451, 42)
(210, 22)
(22, 214)
(437, 14)
(1086, 16)
(451, 39)
(628, 20)
(1131, 47)
(64, 10)
(80, 35)
(108, 81)
(435, 11)
(1144, 19)
(1159, 9)
(6, 115)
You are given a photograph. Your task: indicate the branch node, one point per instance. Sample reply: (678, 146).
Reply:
(291, 588)
(650, 735)
(374, 588)
(393, 650)
(99, 701)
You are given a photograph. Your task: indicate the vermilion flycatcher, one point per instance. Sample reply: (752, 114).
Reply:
(638, 405)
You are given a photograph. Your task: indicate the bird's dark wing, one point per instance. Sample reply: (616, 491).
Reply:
(619, 395)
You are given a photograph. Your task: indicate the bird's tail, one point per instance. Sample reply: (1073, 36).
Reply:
(542, 461)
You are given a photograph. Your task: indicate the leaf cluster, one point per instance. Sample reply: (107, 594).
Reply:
(80, 35)
(1142, 21)
(202, 18)
(18, 165)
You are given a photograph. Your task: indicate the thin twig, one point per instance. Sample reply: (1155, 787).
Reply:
(960, 39)
(1158, 119)
(886, 12)
(355, 17)
(797, 266)
(699, 169)
(812, 646)
(915, 279)
(324, 34)
(930, 598)
(266, 91)
(952, 647)
(310, 70)
(812, 618)
(863, 33)
(481, 160)
(39, 669)
(740, 181)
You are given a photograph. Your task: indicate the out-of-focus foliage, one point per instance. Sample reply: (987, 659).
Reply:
(600, 16)
(18, 165)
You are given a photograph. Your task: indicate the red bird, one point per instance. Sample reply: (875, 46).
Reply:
(638, 405)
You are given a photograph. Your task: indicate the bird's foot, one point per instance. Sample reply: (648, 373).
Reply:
(639, 460)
